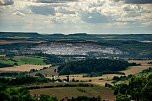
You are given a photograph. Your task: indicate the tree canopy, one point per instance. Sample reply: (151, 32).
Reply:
(92, 65)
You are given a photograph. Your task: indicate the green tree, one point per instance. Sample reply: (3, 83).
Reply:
(15, 94)
(140, 87)
(121, 97)
(40, 75)
(47, 98)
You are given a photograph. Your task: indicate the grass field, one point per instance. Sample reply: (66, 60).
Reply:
(29, 60)
(22, 60)
(62, 92)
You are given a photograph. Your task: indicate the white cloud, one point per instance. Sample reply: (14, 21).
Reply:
(18, 13)
(78, 14)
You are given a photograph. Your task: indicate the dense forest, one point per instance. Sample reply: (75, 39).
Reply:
(92, 65)
(138, 89)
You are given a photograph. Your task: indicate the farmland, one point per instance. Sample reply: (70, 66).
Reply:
(137, 69)
(107, 78)
(13, 41)
(22, 63)
(29, 60)
(70, 92)
(100, 81)
(21, 60)
(74, 65)
(23, 68)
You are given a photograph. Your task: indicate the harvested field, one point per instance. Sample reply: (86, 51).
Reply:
(62, 92)
(94, 80)
(142, 62)
(22, 68)
(137, 69)
(13, 41)
(55, 84)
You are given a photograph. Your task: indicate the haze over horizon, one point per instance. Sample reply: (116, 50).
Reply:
(76, 16)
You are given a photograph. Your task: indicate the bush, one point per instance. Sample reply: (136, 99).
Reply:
(5, 65)
(40, 75)
(121, 97)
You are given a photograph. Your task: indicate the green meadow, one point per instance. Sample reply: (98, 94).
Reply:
(20, 60)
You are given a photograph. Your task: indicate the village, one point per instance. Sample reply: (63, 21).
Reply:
(59, 48)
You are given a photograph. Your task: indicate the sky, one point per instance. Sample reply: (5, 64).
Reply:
(77, 16)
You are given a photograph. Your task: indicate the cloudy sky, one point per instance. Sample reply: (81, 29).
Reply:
(74, 16)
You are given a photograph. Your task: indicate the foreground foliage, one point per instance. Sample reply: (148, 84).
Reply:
(23, 80)
(139, 89)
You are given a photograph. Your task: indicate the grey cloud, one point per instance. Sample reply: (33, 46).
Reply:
(117, 0)
(65, 11)
(43, 10)
(136, 1)
(94, 18)
(6, 2)
(133, 14)
(55, 1)
(139, 1)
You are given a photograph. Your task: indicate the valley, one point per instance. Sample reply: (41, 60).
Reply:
(74, 65)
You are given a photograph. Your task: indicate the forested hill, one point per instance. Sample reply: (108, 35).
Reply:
(92, 65)
(18, 34)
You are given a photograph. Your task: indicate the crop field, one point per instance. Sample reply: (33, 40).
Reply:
(137, 69)
(13, 41)
(62, 92)
(22, 68)
(100, 80)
